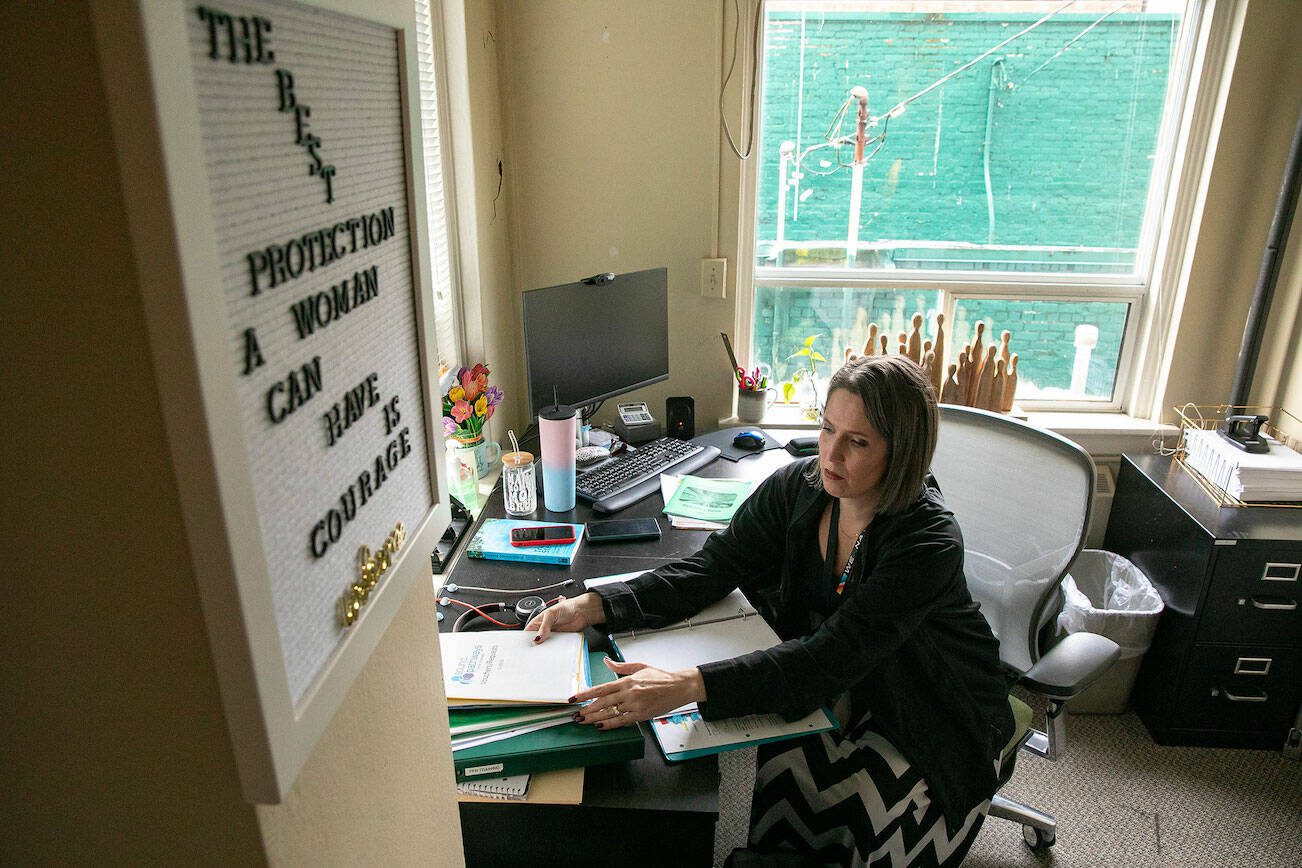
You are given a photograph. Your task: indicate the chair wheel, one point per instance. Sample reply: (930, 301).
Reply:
(1036, 839)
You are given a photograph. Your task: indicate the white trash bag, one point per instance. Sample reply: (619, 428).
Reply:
(1108, 595)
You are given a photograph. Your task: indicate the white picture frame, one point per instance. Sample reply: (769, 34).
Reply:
(274, 726)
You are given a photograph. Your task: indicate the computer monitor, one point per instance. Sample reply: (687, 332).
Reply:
(596, 339)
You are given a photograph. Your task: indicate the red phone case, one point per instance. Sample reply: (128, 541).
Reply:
(545, 542)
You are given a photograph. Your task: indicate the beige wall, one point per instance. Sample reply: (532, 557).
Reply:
(613, 144)
(610, 109)
(116, 747)
(1262, 112)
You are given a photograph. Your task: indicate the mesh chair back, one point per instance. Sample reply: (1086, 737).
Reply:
(1022, 499)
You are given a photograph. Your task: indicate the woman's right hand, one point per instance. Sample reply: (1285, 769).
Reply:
(567, 616)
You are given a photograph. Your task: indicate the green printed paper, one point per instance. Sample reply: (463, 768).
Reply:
(708, 499)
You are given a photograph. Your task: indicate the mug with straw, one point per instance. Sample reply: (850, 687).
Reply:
(519, 486)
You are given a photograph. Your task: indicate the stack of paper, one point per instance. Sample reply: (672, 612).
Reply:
(697, 503)
(473, 726)
(1251, 477)
(505, 737)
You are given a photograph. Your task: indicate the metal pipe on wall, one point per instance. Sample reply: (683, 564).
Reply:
(1255, 327)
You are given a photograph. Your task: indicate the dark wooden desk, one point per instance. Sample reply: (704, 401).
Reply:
(648, 812)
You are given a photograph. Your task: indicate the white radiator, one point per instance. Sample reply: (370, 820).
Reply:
(1105, 485)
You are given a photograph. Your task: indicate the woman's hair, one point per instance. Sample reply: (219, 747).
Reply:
(901, 406)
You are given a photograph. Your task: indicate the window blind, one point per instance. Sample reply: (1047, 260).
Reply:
(447, 317)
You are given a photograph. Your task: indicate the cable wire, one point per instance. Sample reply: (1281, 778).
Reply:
(748, 109)
(525, 591)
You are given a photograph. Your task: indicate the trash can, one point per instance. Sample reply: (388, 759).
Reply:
(1106, 594)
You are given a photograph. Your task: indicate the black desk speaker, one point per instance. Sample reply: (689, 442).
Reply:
(680, 418)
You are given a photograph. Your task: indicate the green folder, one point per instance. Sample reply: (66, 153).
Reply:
(558, 747)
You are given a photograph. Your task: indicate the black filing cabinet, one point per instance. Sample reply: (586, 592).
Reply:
(1225, 666)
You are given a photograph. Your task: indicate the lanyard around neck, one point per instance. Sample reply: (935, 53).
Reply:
(832, 541)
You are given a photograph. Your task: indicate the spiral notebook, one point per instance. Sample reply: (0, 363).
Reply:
(512, 788)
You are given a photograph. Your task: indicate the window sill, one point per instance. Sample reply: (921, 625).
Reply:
(1100, 434)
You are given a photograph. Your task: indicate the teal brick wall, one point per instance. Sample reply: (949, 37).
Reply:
(1069, 137)
(1066, 131)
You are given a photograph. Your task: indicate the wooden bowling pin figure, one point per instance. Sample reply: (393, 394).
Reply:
(978, 347)
(1004, 338)
(949, 391)
(962, 376)
(915, 339)
(1001, 379)
(986, 379)
(931, 364)
(939, 345)
(885, 341)
(973, 376)
(870, 346)
(1010, 384)
(903, 345)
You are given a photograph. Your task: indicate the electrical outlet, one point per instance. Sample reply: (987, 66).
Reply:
(713, 274)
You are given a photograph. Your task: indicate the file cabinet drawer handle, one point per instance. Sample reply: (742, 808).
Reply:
(1237, 697)
(1281, 572)
(1274, 604)
(1253, 665)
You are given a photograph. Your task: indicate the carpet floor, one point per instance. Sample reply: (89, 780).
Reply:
(1122, 800)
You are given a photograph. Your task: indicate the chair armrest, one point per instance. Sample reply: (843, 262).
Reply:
(1071, 665)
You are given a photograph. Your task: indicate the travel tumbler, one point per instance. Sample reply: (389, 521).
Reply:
(557, 429)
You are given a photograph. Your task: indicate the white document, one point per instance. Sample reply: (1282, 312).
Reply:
(507, 666)
(726, 628)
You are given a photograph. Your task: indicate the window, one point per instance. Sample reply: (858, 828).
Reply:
(996, 163)
(447, 316)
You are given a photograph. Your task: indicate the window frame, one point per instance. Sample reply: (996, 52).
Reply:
(1183, 151)
(429, 13)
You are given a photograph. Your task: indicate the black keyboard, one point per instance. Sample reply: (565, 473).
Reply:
(609, 484)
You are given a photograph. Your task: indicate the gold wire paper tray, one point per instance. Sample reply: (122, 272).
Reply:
(1205, 417)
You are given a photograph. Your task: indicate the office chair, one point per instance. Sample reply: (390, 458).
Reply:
(1022, 499)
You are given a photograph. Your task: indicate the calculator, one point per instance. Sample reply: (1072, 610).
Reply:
(635, 414)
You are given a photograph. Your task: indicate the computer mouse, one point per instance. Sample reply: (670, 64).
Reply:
(748, 440)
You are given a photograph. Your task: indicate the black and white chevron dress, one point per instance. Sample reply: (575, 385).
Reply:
(850, 798)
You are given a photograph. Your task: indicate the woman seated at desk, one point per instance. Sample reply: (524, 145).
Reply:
(857, 564)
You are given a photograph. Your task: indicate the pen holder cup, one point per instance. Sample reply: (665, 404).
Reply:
(751, 403)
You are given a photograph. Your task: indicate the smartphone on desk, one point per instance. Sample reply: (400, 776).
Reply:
(612, 529)
(545, 535)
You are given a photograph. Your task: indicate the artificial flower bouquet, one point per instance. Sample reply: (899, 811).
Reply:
(469, 403)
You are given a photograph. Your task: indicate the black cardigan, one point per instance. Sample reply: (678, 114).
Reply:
(906, 638)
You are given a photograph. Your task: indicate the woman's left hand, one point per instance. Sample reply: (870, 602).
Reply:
(640, 693)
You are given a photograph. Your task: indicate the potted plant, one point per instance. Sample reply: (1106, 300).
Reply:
(467, 405)
(810, 407)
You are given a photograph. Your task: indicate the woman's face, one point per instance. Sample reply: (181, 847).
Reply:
(851, 454)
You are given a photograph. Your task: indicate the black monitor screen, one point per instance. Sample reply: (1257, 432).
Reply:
(592, 342)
